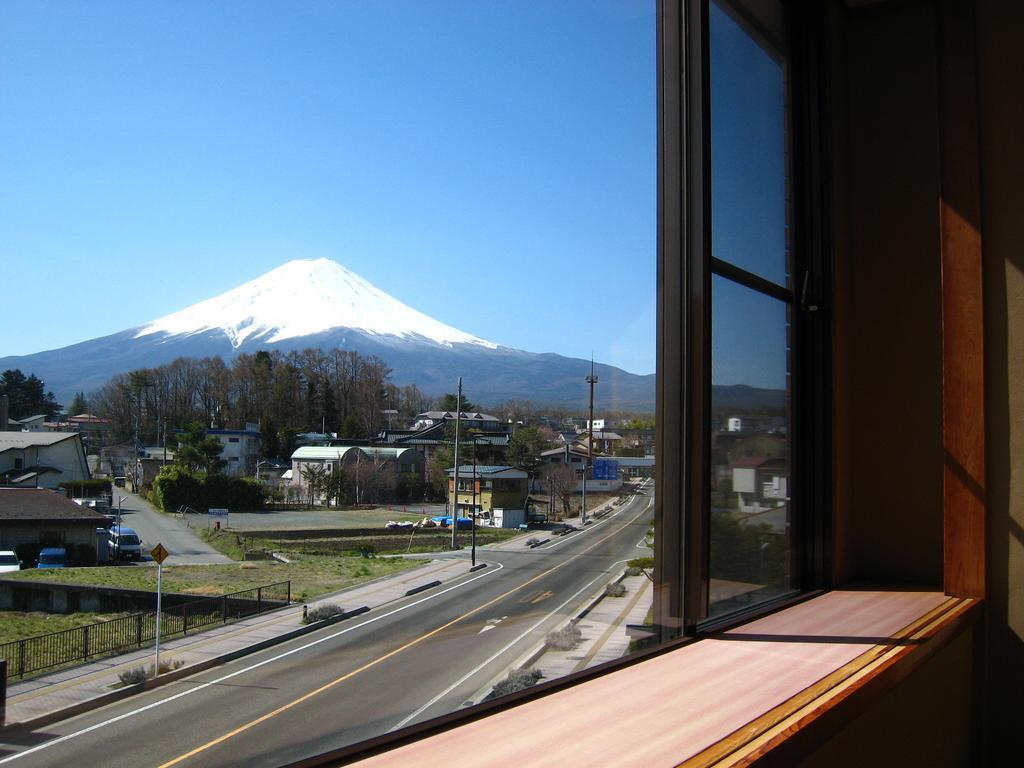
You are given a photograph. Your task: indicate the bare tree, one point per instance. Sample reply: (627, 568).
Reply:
(560, 481)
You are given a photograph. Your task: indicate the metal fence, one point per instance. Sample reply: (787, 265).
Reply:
(105, 638)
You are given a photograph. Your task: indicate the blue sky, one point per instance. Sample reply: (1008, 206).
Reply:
(156, 154)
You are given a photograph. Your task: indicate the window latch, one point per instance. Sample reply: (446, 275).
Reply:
(803, 294)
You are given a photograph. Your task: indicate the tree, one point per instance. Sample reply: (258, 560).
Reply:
(447, 403)
(199, 452)
(560, 481)
(525, 448)
(314, 476)
(26, 395)
(79, 404)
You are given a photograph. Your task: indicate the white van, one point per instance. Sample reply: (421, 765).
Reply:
(125, 544)
(9, 561)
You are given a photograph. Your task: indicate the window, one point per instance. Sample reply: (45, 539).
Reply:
(750, 519)
(507, 145)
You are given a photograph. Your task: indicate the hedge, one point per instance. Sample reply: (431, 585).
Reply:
(177, 487)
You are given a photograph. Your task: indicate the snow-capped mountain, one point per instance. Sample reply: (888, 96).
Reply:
(321, 304)
(303, 298)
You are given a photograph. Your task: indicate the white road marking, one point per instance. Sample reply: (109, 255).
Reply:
(236, 673)
(483, 664)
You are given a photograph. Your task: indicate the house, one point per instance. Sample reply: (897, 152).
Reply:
(467, 420)
(496, 487)
(33, 518)
(490, 446)
(760, 483)
(42, 459)
(240, 449)
(29, 423)
(366, 467)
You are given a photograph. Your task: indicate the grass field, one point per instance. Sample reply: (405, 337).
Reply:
(310, 575)
(15, 625)
(430, 540)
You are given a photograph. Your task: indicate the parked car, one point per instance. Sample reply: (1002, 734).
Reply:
(9, 561)
(52, 557)
(125, 544)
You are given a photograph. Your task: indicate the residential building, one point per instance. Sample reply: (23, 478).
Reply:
(35, 423)
(33, 518)
(359, 463)
(467, 420)
(496, 487)
(42, 459)
(240, 449)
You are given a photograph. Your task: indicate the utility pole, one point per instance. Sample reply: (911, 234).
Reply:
(455, 496)
(591, 380)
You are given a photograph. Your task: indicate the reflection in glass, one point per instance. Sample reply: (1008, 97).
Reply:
(749, 179)
(750, 527)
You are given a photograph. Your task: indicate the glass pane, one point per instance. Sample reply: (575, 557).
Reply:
(751, 535)
(749, 157)
(322, 216)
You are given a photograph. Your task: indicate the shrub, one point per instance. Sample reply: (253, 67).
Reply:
(137, 675)
(615, 589)
(633, 571)
(517, 680)
(532, 540)
(321, 612)
(177, 486)
(133, 676)
(641, 562)
(564, 639)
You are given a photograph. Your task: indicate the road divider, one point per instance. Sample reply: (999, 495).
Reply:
(477, 567)
(423, 588)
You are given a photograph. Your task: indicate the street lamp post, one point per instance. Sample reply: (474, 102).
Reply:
(455, 499)
(473, 516)
(473, 556)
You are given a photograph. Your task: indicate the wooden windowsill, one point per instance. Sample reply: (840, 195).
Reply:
(728, 699)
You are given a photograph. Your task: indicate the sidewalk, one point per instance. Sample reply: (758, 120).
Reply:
(603, 626)
(65, 692)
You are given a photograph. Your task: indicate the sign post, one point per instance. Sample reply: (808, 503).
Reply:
(217, 517)
(158, 553)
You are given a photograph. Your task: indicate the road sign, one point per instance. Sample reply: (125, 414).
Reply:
(606, 469)
(159, 553)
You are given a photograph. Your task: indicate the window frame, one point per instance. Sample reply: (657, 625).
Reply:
(685, 268)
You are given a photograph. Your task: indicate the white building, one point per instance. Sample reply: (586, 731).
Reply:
(42, 459)
(240, 449)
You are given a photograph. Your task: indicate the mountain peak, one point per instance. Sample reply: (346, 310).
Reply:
(305, 297)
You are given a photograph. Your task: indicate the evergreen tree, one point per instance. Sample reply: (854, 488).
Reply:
(79, 404)
(199, 452)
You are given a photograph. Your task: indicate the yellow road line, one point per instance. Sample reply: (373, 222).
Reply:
(386, 656)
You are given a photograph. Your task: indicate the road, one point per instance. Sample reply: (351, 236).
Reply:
(409, 661)
(185, 546)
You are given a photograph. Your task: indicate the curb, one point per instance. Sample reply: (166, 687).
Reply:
(423, 588)
(537, 654)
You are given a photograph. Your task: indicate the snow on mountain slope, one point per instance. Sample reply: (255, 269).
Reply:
(305, 297)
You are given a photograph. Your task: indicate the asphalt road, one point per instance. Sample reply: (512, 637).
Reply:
(185, 546)
(421, 657)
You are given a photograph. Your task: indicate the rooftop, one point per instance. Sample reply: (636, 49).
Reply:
(43, 504)
(9, 440)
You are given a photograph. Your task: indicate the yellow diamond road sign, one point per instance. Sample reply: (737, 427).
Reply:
(159, 553)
